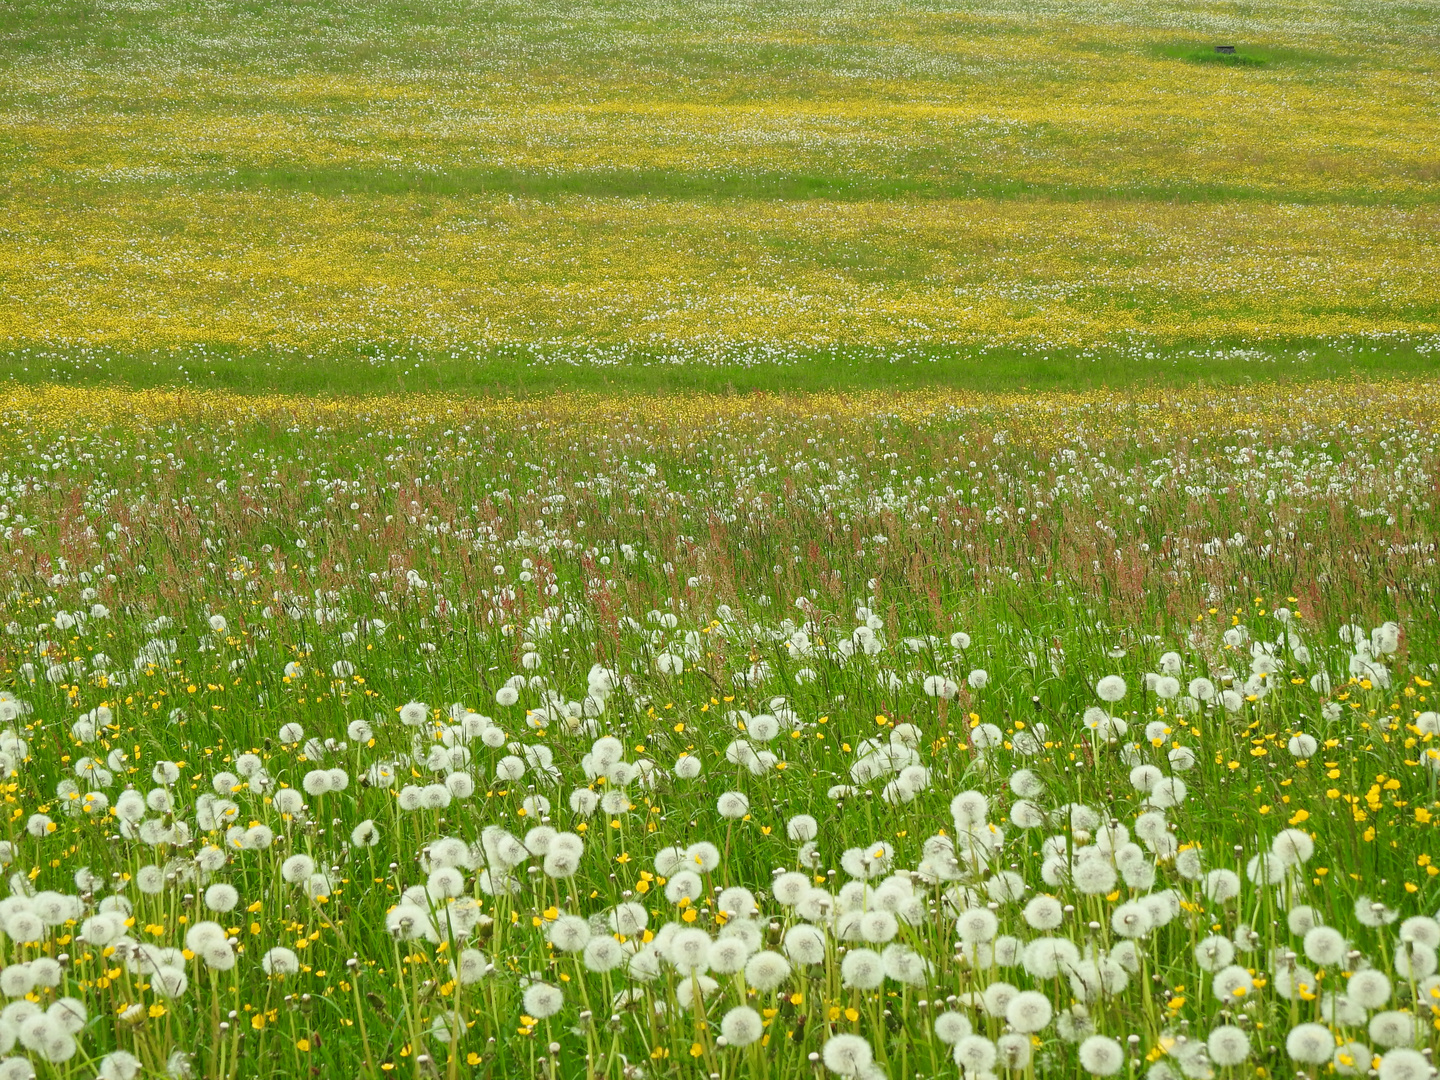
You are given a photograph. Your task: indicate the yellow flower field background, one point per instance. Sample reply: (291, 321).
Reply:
(646, 175)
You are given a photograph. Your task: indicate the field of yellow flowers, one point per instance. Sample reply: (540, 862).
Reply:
(921, 735)
(852, 712)
(210, 192)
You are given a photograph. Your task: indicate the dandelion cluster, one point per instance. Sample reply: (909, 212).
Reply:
(438, 738)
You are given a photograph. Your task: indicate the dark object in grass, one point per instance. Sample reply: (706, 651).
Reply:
(1226, 55)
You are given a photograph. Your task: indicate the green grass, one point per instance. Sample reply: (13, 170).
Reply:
(1247, 56)
(526, 372)
(915, 179)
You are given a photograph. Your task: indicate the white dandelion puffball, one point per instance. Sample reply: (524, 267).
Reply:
(1324, 945)
(689, 951)
(1170, 791)
(280, 961)
(1231, 983)
(1101, 1055)
(766, 970)
(737, 901)
(975, 1054)
(977, 924)
(366, 834)
(603, 954)
(1373, 913)
(542, 1001)
(1292, 847)
(1302, 918)
(297, 868)
(727, 956)
(221, 897)
(951, 1027)
(1029, 1011)
(569, 933)
(1026, 784)
(862, 969)
(969, 809)
(414, 713)
(940, 687)
(1421, 930)
(1111, 688)
(1044, 912)
(1369, 989)
(1311, 1044)
(1405, 1064)
(116, 1065)
(733, 805)
(472, 966)
(629, 918)
(1228, 1045)
(1353, 1059)
(1014, 1051)
(847, 1055)
(1214, 953)
(804, 944)
(742, 1026)
(1394, 1028)
(802, 828)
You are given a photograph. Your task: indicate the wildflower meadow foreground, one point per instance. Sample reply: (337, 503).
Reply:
(916, 736)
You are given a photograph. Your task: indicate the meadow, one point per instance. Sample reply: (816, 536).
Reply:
(892, 735)
(625, 541)
(511, 195)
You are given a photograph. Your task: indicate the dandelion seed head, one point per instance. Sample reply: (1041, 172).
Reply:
(280, 961)
(766, 971)
(1369, 989)
(569, 933)
(1373, 913)
(542, 1001)
(1231, 984)
(862, 969)
(1101, 1056)
(951, 1027)
(1110, 688)
(847, 1055)
(1228, 1045)
(1324, 945)
(221, 897)
(805, 944)
(975, 1054)
(1310, 1044)
(1029, 1011)
(1394, 1028)
(741, 1026)
(1404, 1064)
(1352, 1059)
